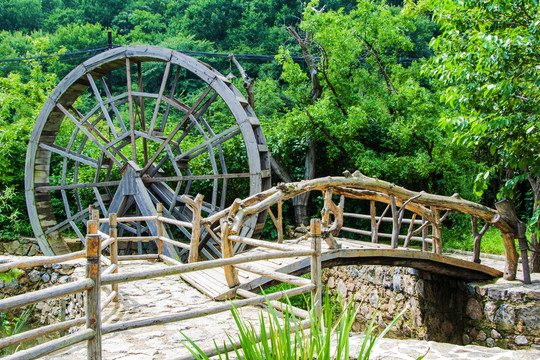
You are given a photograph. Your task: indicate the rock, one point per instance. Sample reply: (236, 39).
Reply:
(495, 334)
(56, 266)
(496, 294)
(466, 339)
(505, 316)
(396, 282)
(342, 289)
(481, 336)
(473, 333)
(489, 310)
(331, 282)
(34, 250)
(54, 278)
(45, 278)
(490, 342)
(64, 279)
(530, 317)
(34, 276)
(521, 340)
(474, 309)
(420, 292)
(374, 299)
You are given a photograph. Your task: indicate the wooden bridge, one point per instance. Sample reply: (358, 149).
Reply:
(258, 274)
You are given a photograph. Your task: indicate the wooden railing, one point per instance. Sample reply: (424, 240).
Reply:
(96, 278)
(428, 213)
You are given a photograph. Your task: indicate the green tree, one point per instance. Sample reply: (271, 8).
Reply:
(487, 60)
(358, 107)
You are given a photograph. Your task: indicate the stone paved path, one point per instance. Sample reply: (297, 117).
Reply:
(170, 294)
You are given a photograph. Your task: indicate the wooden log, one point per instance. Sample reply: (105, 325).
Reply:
(113, 233)
(437, 244)
(196, 228)
(395, 223)
(39, 332)
(175, 243)
(412, 221)
(138, 257)
(45, 294)
(523, 247)
(231, 275)
(110, 270)
(385, 219)
(185, 268)
(137, 238)
(425, 246)
(40, 261)
(283, 307)
(108, 299)
(53, 345)
(384, 235)
(93, 295)
(316, 275)
(373, 218)
(280, 222)
(265, 244)
(176, 222)
(191, 314)
(129, 219)
(477, 235)
(169, 260)
(159, 209)
(286, 278)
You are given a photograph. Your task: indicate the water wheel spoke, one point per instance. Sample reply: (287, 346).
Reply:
(177, 128)
(113, 105)
(104, 109)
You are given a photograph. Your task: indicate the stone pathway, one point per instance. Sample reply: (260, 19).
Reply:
(170, 294)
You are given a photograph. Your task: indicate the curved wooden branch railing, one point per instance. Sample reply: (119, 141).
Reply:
(358, 186)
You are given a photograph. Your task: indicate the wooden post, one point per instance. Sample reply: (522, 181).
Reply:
(425, 245)
(374, 227)
(231, 274)
(523, 247)
(316, 293)
(437, 244)
(280, 222)
(159, 223)
(196, 229)
(113, 232)
(93, 295)
(395, 223)
(510, 268)
(410, 231)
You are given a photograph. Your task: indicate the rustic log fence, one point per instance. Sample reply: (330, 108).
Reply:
(96, 278)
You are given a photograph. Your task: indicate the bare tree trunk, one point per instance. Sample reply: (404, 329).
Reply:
(301, 201)
(534, 261)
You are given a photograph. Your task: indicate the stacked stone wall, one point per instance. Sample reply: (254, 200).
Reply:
(440, 308)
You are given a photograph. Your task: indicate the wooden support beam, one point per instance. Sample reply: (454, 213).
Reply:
(113, 233)
(231, 274)
(93, 295)
(316, 266)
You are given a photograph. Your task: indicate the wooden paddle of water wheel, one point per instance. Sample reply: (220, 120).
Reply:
(136, 126)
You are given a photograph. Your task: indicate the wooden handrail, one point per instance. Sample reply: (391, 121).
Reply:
(45, 294)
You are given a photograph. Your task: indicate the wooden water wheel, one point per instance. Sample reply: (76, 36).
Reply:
(135, 126)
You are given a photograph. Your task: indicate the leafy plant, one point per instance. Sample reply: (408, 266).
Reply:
(277, 340)
(9, 327)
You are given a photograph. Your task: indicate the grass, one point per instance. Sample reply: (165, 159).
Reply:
(283, 340)
(492, 242)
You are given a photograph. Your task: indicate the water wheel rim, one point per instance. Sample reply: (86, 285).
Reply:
(76, 82)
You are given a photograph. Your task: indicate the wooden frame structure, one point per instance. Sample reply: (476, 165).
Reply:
(139, 142)
(97, 242)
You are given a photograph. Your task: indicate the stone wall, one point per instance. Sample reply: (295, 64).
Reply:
(46, 312)
(440, 308)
